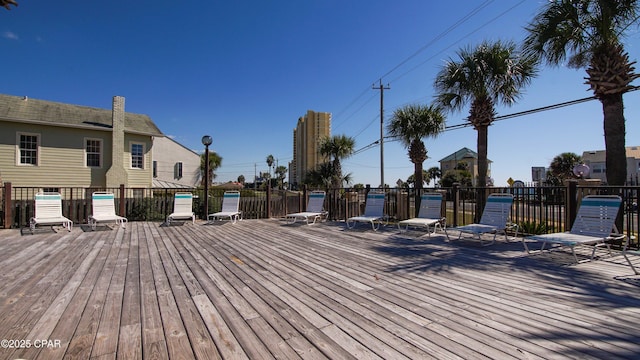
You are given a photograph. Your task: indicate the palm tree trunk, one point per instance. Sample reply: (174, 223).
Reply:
(417, 174)
(483, 162)
(417, 168)
(337, 177)
(614, 139)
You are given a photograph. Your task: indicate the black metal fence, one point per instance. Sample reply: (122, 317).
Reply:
(535, 209)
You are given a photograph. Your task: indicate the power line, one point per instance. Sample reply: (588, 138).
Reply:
(458, 23)
(421, 49)
(440, 36)
(459, 40)
(499, 118)
(356, 110)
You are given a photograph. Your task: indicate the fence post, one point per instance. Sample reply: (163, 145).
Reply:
(268, 201)
(70, 214)
(481, 199)
(122, 204)
(571, 203)
(455, 194)
(7, 205)
(283, 193)
(303, 204)
(408, 205)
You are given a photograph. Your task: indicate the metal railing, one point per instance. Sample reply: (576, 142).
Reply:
(535, 209)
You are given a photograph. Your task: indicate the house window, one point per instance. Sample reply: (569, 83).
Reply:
(598, 168)
(178, 172)
(28, 145)
(137, 156)
(155, 168)
(93, 152)
(51, 190)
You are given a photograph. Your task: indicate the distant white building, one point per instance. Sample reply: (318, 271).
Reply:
(596, 160)
(174, 165)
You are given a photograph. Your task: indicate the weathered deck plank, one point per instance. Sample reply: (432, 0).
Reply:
(130, 336)
(260, 289)
(154, 345)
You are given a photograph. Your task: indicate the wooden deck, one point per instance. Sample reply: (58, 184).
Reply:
(261, 289)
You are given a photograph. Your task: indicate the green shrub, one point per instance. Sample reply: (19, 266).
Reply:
(532, 228)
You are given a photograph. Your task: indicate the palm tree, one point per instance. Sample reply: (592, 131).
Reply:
(336, 148)
(411, 180)
(214, 163)
(270, 161)
(322, 176)
(434, 173)
(281, 174)
(6, 3)
(561, 167)
(411, 124)
(484, 76)
(588, 33)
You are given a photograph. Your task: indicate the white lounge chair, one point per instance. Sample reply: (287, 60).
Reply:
(314, 209)
(48, 211)
(495, 218)
(594, 225)
(104, 210)
(430, 214)
(230, 206)
(373, 211)
(182, 208)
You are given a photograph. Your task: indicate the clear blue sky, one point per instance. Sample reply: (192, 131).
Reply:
(245, 71)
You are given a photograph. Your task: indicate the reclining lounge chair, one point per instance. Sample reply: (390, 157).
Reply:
(495, 218)
(104, 210)
(373, 211)
(594, 225)
(230, 206)
(48, 211)
(428, 215)
(314, 209)
(182, 208)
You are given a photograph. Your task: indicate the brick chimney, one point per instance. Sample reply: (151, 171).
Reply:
(117, 173)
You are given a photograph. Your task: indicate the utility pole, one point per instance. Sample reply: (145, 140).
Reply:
(382, 89)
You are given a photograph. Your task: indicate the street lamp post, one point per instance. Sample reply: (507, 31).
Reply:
(206, 141)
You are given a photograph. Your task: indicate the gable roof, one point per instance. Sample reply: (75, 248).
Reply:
(463, 153)
(27, 110)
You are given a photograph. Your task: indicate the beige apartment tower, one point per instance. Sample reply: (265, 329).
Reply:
(311, 129)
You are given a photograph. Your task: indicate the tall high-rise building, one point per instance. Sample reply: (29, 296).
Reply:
(309, 131)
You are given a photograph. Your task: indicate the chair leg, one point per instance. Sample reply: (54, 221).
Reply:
(624, 253)
(575, 257)
(435, 228)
